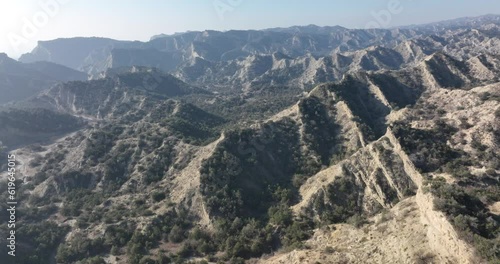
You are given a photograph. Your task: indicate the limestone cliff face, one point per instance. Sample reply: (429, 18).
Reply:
(376, 172)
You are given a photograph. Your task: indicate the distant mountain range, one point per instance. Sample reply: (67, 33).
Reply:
(306, 55)
(21, 80)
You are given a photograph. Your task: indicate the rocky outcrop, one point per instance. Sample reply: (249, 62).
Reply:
(442, 236)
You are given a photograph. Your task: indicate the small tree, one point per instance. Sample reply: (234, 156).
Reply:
(176, 235)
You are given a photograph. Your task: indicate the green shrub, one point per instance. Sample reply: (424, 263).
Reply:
(176, 234)
(80, 248)
(340, 201)
(158, 196)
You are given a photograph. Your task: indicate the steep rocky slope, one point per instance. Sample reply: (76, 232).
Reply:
(309, 70)
(303, 72)
(153, 174)
(90, 53)
(393, 161)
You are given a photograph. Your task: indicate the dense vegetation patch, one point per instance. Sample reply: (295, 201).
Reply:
(339, 202)
(36, 243)
(38, 120)
(237, 181)
(439, 67)
(470, 217)
(263, 102)
(319, 129)
(398, 94)
(427, 149)
(368, 110)
(194, 125)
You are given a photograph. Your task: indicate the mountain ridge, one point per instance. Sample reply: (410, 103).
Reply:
(266, 147)
(23, 80)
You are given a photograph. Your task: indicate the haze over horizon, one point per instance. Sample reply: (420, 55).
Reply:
(25, 23)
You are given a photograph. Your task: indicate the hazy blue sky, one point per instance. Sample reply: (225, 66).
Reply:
(23, 22)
